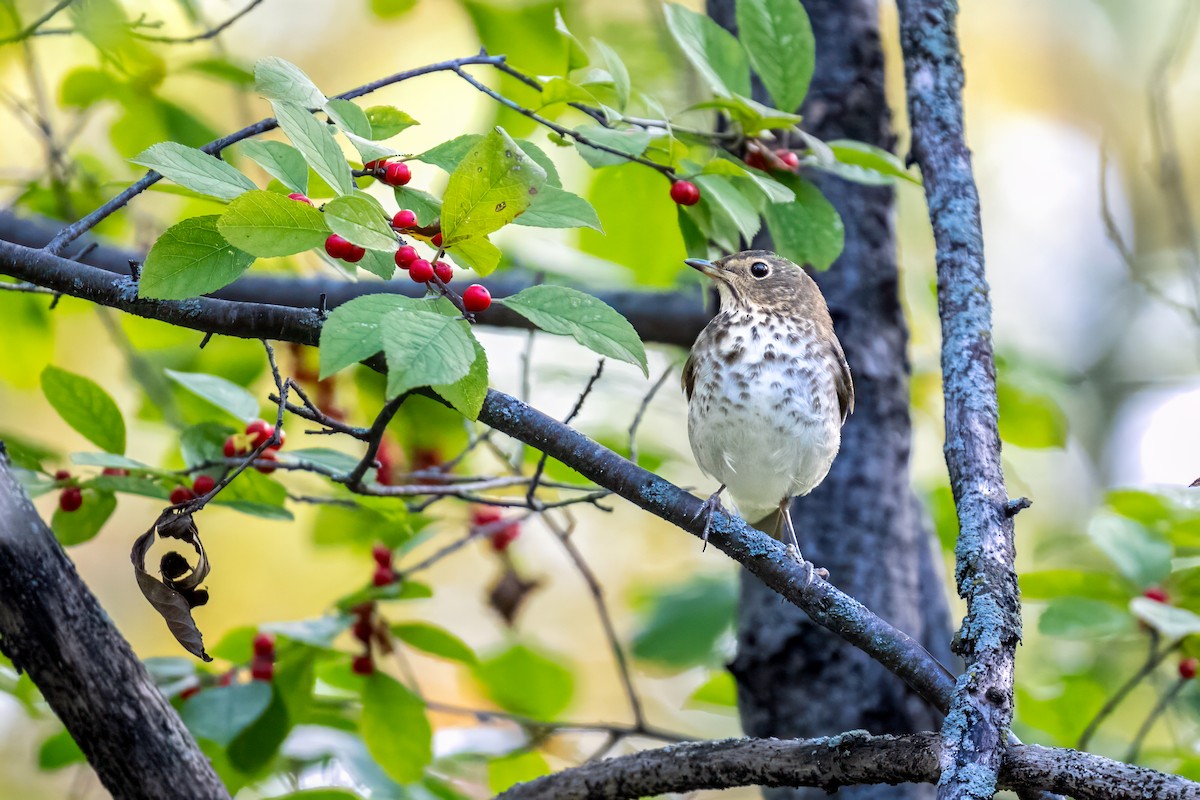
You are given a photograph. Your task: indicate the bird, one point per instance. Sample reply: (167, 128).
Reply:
(768, 390)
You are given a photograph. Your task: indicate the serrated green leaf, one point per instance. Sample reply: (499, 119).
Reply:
(808, 230)
(558, 208)
(424, 349)
(753, 116)
(632, 141)
(713, 51)
(268, 225)
(423, 204)
(222, 393)
(772, 190)
(542, 160)
(527, 681)
(387, 121)
(349, 117)
(778, 38)
(86, 407)
(448, 155)
(351, 331)
(435, 641)
(394, 728)
(477, 253)
(190, 259)
(494, 183)
(467, 395)
(728, 206)
(360, 219)
(276, 79)
(77, 527)
(369, 150)
(865, 163)
(378, 263)
(315, 140)
(591, 322)
(281, 161)
(616, 68)
(194, 169)
(576, 56)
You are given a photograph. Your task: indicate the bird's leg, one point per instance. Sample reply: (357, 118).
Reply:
(709, 507)
(793, 547)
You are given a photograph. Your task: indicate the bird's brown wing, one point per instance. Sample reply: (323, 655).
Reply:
(689, 376)
(842, 381)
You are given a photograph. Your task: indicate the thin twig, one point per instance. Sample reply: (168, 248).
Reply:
(541, 465)
(1135, 748)
(199, 37)
(1153, 659)
(641, 412)
(33, 27)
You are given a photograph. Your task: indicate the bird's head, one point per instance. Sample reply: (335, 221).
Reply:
(759, 280)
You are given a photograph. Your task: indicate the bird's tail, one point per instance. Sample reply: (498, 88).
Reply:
(771, 524)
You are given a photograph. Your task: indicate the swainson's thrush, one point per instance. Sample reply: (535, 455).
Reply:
(768, 388)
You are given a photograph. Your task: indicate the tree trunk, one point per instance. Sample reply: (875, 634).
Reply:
(862, 524)
(52, 627)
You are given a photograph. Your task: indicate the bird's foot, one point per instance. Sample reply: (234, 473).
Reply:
(709, 507)
(809, 569)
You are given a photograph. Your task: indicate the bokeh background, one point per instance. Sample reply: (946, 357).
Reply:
(1080, 115)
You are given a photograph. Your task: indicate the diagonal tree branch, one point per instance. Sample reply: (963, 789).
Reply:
(975, 729)
(53, 628)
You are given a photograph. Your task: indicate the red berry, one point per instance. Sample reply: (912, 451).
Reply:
(384, 575)
(397, 173)
(373, 166)
(485, 515)
(299, 197)
(181, 494)
(382, 555)
(62, 475)
(443, 271)
(259, 431)
(355, 255)
(227, 678)
(420, 271)
(262, 669)
(436, 240)
(203, 484)
(337, 246)
(231, 448)
(115, 471)
(789, 159)
(1157, 594)
(264, 645)
(405, 256)
(685, 193)
(363, 665)
(266, 455)
(70, 499)
(505, 536)
(1188, 668)
(363, 629)
(755, 159)
(476, 298)
(404, 219)
(189, 693)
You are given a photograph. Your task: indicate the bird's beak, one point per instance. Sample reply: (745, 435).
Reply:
(707, 267)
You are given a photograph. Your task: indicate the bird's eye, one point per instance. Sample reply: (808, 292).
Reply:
(759, 269)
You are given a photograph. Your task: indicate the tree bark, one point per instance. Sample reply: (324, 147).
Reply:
(52, 627)
(794, 680)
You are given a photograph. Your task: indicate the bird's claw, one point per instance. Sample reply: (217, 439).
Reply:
(709, 507)
(809, 569)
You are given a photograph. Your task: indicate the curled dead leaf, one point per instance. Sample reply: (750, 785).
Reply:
(176, 591)
(509, 593)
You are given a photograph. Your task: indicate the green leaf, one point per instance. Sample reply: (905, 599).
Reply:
(281, 161)
(315, 140)
(865, 163)
(1140, 556)
(526, 681)
(255, 747)
(378, 263)
(685, 622)
(59, 751)
(1172, 622)
(576, 56)
(435, 641)
(719, 690)
(369, 150)
(616, 68)
(778, 38)
(221, 713)
(425, 349)
(505, 772)
(395, 729)
(1051, 583)
(351, 331)
(1081, 618)
(423, 204)
(190, 259)
(276, 79)
(557, 208)
(222, 393)
(203, 442)
(591, 322)
(111, 460)
(256, 494)
(194, 169)
(713, 51)
(809, 230)
(387, 121)
(361, 220)
(86, 407)
(317, 632)
(323, 458)
(542, 160)
(467, 395)
(633, 141)
(494, 183)
(268, 224)
(390, 9)
(477, 253)
(753, 116)
(772, 191)
(728, 206)
(1028, 419)
(77, 527)
(448, 155)
(348, 116)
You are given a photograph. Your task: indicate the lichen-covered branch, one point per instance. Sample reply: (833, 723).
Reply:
(975, 729)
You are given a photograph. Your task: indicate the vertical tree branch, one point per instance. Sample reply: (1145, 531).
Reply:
(975, 729)
(53, 628)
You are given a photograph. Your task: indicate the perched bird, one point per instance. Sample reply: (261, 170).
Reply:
(768, 388)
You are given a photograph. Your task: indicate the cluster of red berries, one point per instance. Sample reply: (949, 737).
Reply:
(393, 173)
(201, 486)
(342, 248)
(262, 668)
(364, 631)
(783, 159)
(384, 575)
(501, 536)
(258, 432)
(71, 497)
